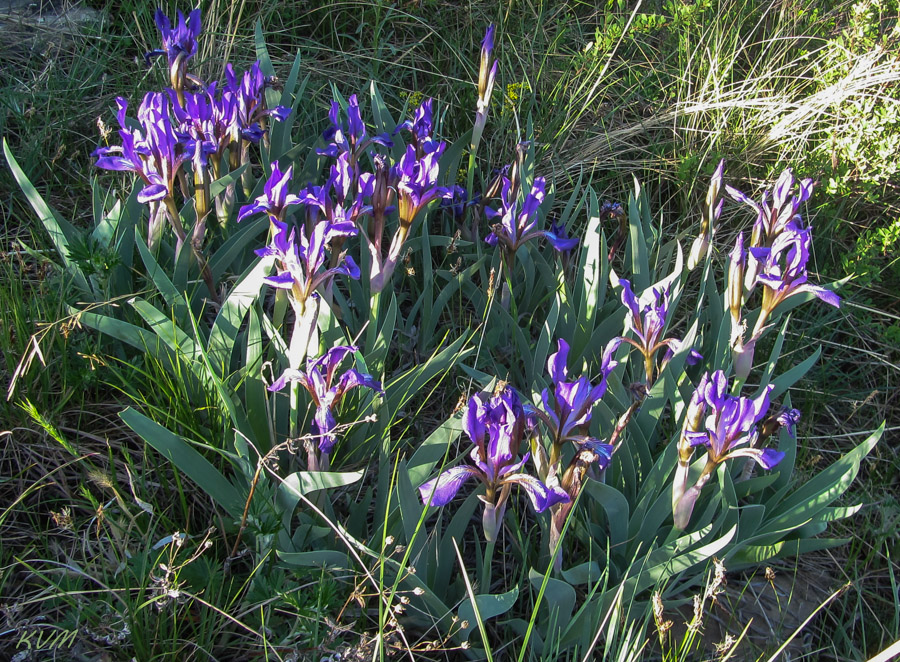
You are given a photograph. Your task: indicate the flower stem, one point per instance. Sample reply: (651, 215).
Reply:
(508, 262)
(486, 568)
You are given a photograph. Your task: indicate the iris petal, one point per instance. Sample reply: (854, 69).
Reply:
(441, 490)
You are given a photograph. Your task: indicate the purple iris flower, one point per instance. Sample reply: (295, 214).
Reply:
(487, 44)
(127, 158)
(246, 100)
(180, 40)
(647, 317)
(727, 426)
(496, 427)
(518, 226)
(730, 426)
(559, 237)
(568, 413)
(327, 390)
(782, 269)
(300, 265)
(197, 129)
(772, 219)
(647, 320)
(275, 198)
(456, 201)
(339, 189)
(788, 419)
(421, 128)
(350, 137)
(417, 184)
(674, 346)
(179, 46)
(153, 152)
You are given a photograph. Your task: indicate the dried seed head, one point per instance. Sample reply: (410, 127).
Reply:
(719, 577)
(460, 403)
(717, 581)
(657, 607)
(103, 129)
(662, 625)
(697, 620)
(62, 519)
(725, 645)
(99, 478)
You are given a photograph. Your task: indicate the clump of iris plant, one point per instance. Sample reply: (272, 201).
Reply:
(152, 152)
(499, 426)
(726, 425)
(409, 187)
(327, 390)
(182, 133)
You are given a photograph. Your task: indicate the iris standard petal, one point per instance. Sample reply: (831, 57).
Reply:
(475, 420)
(353, 378)
(556, 364)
